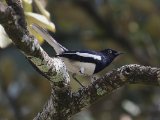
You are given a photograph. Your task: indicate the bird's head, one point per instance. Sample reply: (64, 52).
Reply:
(111, 53)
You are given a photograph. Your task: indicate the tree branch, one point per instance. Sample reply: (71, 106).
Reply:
(13, 20)
(63, 103)
(70, 103)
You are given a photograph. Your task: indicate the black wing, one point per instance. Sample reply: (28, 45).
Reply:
(82, 56)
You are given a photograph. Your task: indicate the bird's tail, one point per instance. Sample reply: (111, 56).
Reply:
(57, 47)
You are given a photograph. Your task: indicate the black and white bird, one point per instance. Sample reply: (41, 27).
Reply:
(80, 62)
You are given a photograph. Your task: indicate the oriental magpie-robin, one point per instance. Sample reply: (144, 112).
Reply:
(80, 62)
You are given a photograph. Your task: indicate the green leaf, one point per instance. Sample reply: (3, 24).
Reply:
(41, 8)
(40, 20)
(27, 5)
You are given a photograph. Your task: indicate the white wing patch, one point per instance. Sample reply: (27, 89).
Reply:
(96, 57)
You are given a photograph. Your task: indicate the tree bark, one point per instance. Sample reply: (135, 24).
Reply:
(63, 103)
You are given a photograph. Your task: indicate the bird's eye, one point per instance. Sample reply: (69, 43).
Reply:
(110, 51)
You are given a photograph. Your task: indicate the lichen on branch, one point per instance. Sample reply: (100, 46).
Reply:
(13, 20)
(63, 103)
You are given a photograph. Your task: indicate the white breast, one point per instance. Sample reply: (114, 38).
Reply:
(75, 67)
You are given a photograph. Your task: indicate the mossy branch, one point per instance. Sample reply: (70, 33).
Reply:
(63, 103)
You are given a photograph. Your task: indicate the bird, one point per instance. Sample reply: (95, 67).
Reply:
(79, 62)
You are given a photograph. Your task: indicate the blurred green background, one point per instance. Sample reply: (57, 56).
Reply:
(132, 26)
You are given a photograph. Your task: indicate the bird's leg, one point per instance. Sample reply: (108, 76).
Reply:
(74, 77)
(82, 70)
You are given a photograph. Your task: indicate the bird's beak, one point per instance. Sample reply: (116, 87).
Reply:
(119, 53)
